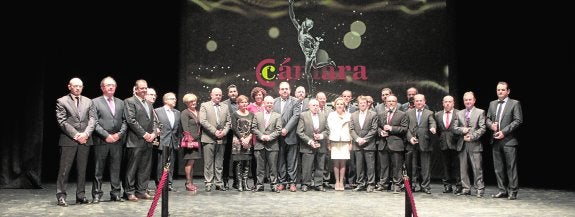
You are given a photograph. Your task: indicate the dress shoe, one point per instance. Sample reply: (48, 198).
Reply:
(276, 188)
(370, 188)
(132, 198)
(448, 189)
(62, 202)
(145, 196)
(304, 188)
(221, 188)
(320, 188)
(479, 194)
(292, 188)
(359, 188)
(512, 196)
(327, 185)
(171, 188)
(259, 188)
(500, 195)
(208, 188)
(116, 198)
(464, 192)
(426, 190)
(96, 199)
(457, 190)
(379, 188)
(82, 200)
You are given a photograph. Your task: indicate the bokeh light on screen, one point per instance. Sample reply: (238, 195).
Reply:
(212, 45)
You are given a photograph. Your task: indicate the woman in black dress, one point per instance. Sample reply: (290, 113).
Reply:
(191, 124)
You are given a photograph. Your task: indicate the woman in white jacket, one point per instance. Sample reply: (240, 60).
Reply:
(339, 140)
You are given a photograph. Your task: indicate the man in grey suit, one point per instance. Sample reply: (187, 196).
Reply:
(76, 117)
(470, 125)
(448, 146)
(421, 124)
(216, 122)
(288, 107)
(311, 129)
(504, 116)
(170, 131)
(266, 127)
(349, 164)
(392, 127)
(109, 140)
(142, 130)
(363, 128)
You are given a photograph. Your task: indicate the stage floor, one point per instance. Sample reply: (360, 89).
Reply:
(530, 202)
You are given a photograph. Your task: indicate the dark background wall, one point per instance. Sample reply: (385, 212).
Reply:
(53, 42)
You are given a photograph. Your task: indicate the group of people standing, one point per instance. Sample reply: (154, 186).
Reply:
(363, 146)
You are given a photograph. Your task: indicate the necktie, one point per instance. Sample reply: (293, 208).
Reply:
(418, 116)
(112, 106)
(77, 101)
(217, 110)
(282, 104)
(146, 107)
(170, 117)
(467, 117)
(499, 109)
(267, 119)
(315, 120)
(389, 115)
(447, 119)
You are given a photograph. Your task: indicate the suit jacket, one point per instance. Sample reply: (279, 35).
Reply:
(477, 124)
(73, 120)
(209, 122)
(305, 132)
(273, 130)
(368, 131)
(108, 123)
(303, 105)
(427, 121)
(290, 117)
(396, 137)
(169, 136)
(191, 123)
(511, 119)
(447, 140)
(139, 123)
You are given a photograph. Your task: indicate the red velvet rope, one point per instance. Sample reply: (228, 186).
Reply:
(158, 191)
(410, 194)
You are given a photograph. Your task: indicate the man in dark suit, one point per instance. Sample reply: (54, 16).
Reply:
(504, 116)
(170, 131)
(421, 124)
(109, 140)
(233, 107)
(216, 122)
(76, 117)
(288, 107)
(448, 146)
(142, 130)
(392, 127)
(470, 125)
(266, 128)
(311, 129)
(363, 131)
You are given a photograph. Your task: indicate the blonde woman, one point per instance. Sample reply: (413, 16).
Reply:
(339, 140)
(191, 124)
